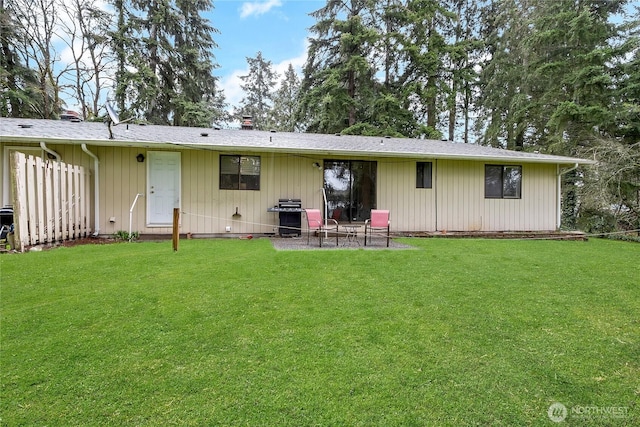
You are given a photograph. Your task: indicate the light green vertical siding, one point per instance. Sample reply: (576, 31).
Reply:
(411, 208)
(455, 203)
(462, 206)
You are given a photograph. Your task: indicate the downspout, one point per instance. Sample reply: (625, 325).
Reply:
(435, 192)
(96, 191)
(559, 191)
(50, 151)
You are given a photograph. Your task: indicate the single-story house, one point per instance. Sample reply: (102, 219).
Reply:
(229, 181)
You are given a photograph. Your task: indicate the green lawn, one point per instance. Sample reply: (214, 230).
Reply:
(232, 332)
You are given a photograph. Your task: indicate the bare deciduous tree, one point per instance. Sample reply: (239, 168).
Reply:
(37, 20)
(87, 26)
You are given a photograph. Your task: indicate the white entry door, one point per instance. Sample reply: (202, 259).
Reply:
(163, 187)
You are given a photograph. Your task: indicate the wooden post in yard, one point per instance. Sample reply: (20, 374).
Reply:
(176, 232)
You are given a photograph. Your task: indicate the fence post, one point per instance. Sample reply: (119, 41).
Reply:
(18, 179)
(176, 233)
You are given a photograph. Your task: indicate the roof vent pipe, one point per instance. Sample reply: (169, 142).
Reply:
(96, 186)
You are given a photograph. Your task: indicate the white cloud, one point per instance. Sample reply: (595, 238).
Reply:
(258, 8)
(230, 83)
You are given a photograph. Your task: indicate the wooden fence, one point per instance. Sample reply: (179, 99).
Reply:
(51, 201)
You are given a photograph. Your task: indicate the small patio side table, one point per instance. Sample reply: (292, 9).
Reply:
(351, 233)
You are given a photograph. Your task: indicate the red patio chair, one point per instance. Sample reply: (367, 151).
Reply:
(379, 221)
(315, 224)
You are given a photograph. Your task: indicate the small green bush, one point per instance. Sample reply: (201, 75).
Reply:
(595, 221)
(124, 235)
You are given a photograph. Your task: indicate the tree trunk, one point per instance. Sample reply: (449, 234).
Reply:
(121, 58)
(432, 116)
(352, 95)
(467, 95)
(431, 91)
(452, 108)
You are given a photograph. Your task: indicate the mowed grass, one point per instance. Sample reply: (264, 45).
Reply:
(232, 332)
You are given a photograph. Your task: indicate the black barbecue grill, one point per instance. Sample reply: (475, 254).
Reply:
(290, 217)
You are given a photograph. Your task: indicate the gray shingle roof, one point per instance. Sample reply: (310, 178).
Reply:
(152, 136)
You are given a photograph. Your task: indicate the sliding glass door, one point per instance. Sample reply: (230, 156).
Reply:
(350, 186)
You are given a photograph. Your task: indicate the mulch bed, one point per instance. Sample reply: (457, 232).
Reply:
(87, 241)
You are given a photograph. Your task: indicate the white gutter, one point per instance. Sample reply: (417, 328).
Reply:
(96, 184)
(50, 151)
(559, 191)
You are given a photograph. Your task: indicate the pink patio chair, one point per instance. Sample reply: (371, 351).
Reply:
(379, 221)
(316, 224)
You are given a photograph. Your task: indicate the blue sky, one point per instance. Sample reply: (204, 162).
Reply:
(277, 28)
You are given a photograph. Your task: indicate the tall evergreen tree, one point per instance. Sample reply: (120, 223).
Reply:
(502, 94)
(120, 37)
(392, 112)
(166, 45)
(425, 48)
(194, 65)
(381, 68)
(338, 83)
(465, 45)
(549, 78)
(285, 103)
(387, 14)
(258, 87)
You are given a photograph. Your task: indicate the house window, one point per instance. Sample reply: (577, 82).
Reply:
(239, 172)
(502, 182)
(423, 174)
